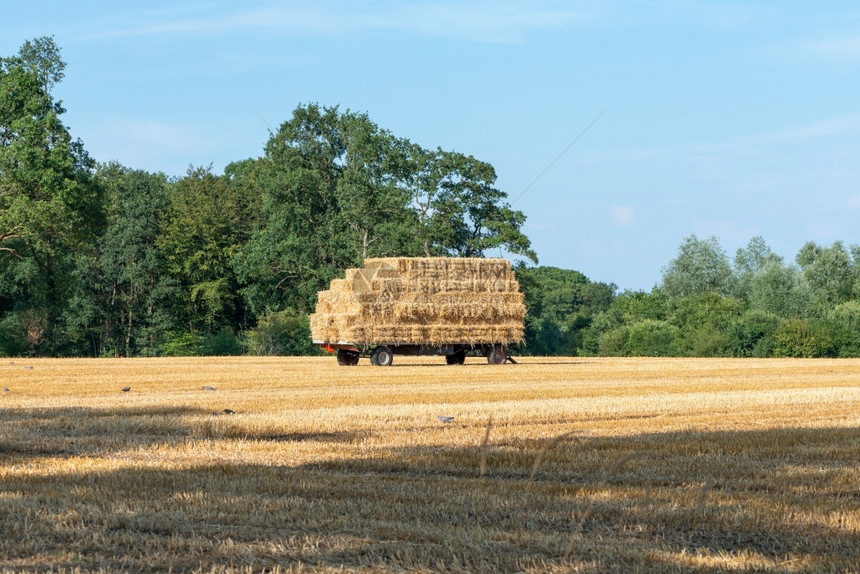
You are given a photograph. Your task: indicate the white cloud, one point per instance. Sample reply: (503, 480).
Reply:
(829, 127)
(504, 22)
(621, 215)
(839, 49)
(854, 202)
(718, 15)
(824, 128)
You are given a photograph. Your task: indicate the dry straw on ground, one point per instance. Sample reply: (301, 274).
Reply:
(422, 300)
(589, 465)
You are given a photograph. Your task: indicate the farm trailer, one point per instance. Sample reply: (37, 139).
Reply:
(421, 306)
(382, 355)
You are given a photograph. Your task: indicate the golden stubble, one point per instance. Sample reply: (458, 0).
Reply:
(293, 464)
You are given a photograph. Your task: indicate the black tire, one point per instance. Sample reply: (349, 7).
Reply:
(347, 358)
(457, 358)
(381, 357)
(497, 355)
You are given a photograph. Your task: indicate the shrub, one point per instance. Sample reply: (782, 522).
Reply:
(181, 345)
(752, 335)
(543, 336)
(844, 324)
(613, 343)
(651, 338)
(798, 338)
(224, 342)
(13, 336)
(23, 333)
(282, 333)
(708, 342)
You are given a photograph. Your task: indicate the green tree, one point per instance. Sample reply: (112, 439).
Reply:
(625, 309)
(753, 334)
(701, 266)
(750, 262)
(468, 214)
(550, 292)
(614, 342)
(335, 188)
(41, 57)
(800, 338)
(560, 305)
(50, 205)
(651, 338)
(131, 265)
(754, 257)
(368, 190)
(205, 225)
(302, 239)
(646, 338)
(635, 306)
(458, 210)
(855, 265)
(705, 322)
(830, 273)
(780, 290)
(282, 333)
(844, 323)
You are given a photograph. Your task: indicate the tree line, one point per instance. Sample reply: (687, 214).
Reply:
(705, 305)
(101, 259)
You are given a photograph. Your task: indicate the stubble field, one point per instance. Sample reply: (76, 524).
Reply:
(292, 464)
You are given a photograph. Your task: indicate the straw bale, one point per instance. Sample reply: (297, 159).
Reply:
(350, 275)
(428, 301)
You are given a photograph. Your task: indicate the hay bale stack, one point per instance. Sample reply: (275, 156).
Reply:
(422, 301)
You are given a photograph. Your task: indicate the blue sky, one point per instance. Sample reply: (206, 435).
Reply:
(731, 119)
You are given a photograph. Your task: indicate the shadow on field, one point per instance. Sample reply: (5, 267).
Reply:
(651, 502)
(336, 437)
(83, 431)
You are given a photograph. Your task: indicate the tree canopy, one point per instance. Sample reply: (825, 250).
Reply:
(701, 266)
(335, 188)
(108, 260)
(51, 207)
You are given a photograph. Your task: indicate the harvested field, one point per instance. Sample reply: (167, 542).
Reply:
(594, 465)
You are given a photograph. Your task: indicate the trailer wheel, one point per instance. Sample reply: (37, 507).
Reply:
(497, 355)
(347, 358)
(457, 358)
(381, 357)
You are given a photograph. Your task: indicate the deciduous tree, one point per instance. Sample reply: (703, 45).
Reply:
(204, 228)
(133, 268)
(701, 266)
(50, 205)
(829, 271)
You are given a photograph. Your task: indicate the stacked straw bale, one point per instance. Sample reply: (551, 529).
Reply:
(422, 301)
